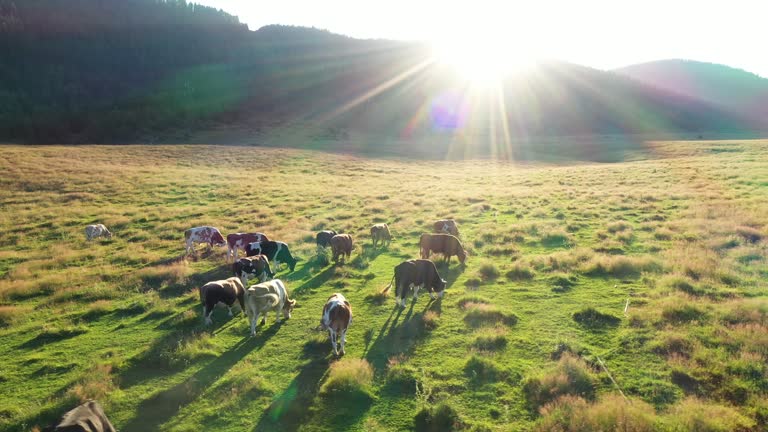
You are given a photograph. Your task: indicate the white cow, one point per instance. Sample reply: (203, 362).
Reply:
(265, 297)
(96, 230)
(203, 234)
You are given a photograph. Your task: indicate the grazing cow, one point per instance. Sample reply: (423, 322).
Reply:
(337, 316)
(97, 230)
(238, 241)
(416, 274)
(225, 291)
(88, 417)
(380, 233)
(447, 226)
(445, 244)
(267, 296)
(203, 234)
(341, 244)
(255, 266)
(323, 238)
(276, 251)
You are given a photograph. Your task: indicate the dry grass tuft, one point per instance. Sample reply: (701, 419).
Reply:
(574, 414)
(98, 383)
(348, 377)
(571, 376)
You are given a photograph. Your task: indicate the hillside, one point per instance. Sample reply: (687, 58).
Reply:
(582, 281)
(720, 85)
(166, 71)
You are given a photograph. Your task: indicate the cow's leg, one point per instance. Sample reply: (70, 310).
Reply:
(431, 293)
(207, 312)
(230, 310)
(416, 291)
(254, 319)
(333, 341)
(343, 340)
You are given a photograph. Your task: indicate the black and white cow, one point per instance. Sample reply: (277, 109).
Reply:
(88, 417)
(256, 266)
(416, 274)
(226, 291)
(276, 251)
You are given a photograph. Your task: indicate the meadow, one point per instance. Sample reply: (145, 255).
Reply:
(596, 296)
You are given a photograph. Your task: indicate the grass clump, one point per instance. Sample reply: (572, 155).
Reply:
(574, 414)
(480, 370)
(673, 344)
(555, 237)
(495, 340)
(520, 271)
(401, 375)
(466, 301)
(97, 383)
(10, 314)
(571, 376)
(693, 414)
(442, 418)
(348, 377)
(488, 271)
(479, 314)
(680, 312)
(620, 266)
(592, 318)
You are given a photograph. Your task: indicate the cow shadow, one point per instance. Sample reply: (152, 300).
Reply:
(450, 274)
(400, 334)
(293, 407)
(164, 405)
(315, 282)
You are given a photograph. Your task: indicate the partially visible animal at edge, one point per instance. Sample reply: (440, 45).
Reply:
(204, 234)
(380, 234)
(265, 297)
(323, 238)
(444, 244)
(337, 316)
(96, 230)
(416, 274)
(87, 417)
(341, 246)
(226, 291)
(256, 266)
(238, 241)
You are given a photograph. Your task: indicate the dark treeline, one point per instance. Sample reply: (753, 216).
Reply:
(113, 71)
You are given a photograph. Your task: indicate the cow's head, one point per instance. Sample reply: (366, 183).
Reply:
(108, 234)
(292, 263)
(288, 308)
(217, 239)
(440, 285)
(462, 255)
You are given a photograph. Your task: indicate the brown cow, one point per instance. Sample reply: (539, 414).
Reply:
(445, 244)
(447, 226)
(380, 233)
(341, 244)
(337, 316)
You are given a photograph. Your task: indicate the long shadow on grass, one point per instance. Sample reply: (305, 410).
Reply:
(196, 280)
(164, 405)
(315, 282)
(393, 338)
(293, 407)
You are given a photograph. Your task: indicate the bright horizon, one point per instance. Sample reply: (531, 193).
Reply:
(596, 33)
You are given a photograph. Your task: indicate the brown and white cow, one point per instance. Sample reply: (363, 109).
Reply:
(238, 241)
(96, 230)
(226, 291)
(447, 226)
(341, 245)
(265, 297)
(445, 244)
(203, 234)
(337, 316)
(380, 233)
(416, 274)
(255, 266)
(88, 417)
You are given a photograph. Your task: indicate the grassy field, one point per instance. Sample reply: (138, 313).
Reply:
(595, 295)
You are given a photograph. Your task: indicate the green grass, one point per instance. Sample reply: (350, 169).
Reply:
(679, 231)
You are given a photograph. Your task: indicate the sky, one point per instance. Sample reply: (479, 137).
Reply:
(603, 34)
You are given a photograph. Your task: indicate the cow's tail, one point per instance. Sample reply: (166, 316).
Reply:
(386, 290)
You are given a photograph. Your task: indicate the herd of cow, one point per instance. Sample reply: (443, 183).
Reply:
(271, 295)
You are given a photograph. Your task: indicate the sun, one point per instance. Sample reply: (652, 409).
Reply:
(482, 61)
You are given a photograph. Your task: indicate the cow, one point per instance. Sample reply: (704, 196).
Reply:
(337, 316)
(255, 266)
(97, 230)
(88, 417)
(238, 241)
(267, 296)
(203, 234)
(276, 251)
(341, 245)
(323, 238)
(447, 226)
(225, 291)
(416, 274)
(445, 244)
(380, 233)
